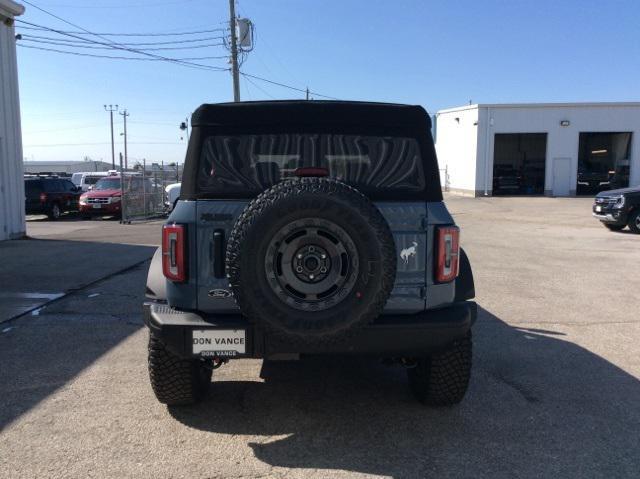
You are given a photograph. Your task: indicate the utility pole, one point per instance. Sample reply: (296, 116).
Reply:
(111, 109)
(123, 199)
(234, 51)
(307, 93)
(126, 158)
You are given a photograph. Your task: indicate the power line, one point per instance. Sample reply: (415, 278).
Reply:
(270, 49)
(259, 88)
(64, 43)
(130, 5)
(255, 77)
(112, 57)
(246, 89)
(151, 34)
(115, 45)
(134, 44)
(110, 43)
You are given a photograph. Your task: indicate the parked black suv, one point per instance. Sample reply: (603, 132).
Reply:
(310, 227)
(619, 208)
(50, 195)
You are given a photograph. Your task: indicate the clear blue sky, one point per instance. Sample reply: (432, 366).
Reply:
(435, 53)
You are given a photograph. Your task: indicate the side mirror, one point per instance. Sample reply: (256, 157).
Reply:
(90, 188)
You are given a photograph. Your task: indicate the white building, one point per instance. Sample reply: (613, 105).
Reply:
(11, 182)
(560, 149)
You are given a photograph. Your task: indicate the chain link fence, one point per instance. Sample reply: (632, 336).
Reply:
(143, 191)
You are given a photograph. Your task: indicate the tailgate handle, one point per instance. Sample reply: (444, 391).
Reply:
(218, 253)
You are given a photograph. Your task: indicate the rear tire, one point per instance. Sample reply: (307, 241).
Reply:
(442, 379)
(55, 212)
(612, 227)
(176, 381)
(634, 222)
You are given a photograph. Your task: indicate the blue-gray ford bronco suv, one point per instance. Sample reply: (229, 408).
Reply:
(310, 228)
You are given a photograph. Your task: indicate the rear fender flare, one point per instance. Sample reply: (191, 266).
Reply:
(464, 284)
(156, 282)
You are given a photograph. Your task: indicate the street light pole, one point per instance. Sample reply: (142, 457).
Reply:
(111, 109)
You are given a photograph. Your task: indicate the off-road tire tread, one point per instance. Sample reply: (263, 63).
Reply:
(270, 198)
(175, 381)
(442, 379)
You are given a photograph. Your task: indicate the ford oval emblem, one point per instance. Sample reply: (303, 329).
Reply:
(219, 293)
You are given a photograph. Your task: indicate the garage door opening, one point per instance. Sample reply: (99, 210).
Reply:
(603, 162)
(518, 163)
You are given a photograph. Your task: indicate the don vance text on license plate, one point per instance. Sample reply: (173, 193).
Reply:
(219, 342)
(598, 209)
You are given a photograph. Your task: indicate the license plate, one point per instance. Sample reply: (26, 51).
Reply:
(97, 206)
(219, 342)
(598, 209)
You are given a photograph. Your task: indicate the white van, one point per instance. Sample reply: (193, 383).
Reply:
(87, 179)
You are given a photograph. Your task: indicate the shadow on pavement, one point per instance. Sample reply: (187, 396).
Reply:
(42, 353)
(33, 270)
(537, 406)
(46, 356)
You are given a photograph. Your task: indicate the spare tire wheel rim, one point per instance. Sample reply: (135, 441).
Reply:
(311, 264)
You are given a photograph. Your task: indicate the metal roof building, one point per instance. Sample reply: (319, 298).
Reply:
(12, 223)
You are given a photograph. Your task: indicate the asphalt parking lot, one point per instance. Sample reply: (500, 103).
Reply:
(555, 390)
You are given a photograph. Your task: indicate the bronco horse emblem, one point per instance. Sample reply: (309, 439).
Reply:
(407, 253)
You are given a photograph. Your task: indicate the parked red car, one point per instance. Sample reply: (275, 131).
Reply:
(104, 199)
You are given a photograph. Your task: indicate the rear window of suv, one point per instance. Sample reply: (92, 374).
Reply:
(248, 164)
(32, 187)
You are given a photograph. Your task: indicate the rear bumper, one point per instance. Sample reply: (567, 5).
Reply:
(398, 335)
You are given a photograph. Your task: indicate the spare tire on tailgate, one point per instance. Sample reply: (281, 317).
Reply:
(312, 259)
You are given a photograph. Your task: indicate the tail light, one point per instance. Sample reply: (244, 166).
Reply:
(448, 253)
(43, 197)
(174, 265)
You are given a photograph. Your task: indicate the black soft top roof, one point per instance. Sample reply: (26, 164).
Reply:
(314, 115)
(313, 112)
